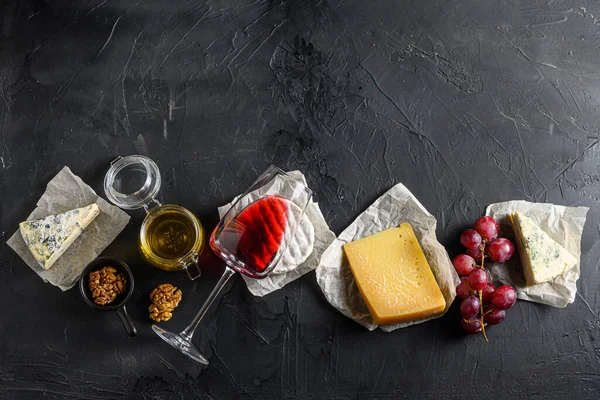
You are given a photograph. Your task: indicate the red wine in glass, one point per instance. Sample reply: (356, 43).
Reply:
(255, 235)
(250, 238)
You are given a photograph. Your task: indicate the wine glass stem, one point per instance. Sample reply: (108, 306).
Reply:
(189, 331)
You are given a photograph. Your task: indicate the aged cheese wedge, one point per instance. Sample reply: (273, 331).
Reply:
(542, 258)
(393, 276)
(48, 238)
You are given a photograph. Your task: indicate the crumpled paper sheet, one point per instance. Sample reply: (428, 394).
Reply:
(65, 192)
(323, 237)
(565, 226)
(396, 206)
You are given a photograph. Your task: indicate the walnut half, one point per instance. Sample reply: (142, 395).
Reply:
(165, 297)
(106, 284)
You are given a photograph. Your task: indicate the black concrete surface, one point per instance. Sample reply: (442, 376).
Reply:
(465, 102)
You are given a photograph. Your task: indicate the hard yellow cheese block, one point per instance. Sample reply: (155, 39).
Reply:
(393, 276)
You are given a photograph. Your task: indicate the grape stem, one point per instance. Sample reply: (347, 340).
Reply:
(480, 292)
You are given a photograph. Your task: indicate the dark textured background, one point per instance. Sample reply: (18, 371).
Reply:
(466, 102)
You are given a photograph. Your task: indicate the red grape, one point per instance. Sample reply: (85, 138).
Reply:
(471, 326)
(494, 316)
(469, 307)
(504, 297)
(500, 250)
(475, 254)
(478, 279)
(470, 239)
(487, 227)
(474, 288)
(463, 264)
(486, 294)
(463, 290)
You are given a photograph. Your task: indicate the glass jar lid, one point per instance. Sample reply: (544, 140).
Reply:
(132, 182)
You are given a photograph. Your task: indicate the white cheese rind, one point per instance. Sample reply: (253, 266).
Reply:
(300, 245)
(48, 238)
(542, 258)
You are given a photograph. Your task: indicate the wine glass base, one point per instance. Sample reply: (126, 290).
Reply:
(180, 343)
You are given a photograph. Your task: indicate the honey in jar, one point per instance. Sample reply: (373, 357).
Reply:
(171, 237)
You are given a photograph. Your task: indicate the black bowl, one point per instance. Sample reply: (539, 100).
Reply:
(118, 304)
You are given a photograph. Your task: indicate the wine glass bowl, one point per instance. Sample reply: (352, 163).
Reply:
(250, 238)
(253, 240)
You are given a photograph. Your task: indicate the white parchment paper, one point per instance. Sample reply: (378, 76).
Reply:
(323, 237)
(65, 192)
(565, 226)
(396, 206)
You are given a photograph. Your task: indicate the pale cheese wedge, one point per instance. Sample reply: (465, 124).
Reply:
(48, 238)
(542, 258)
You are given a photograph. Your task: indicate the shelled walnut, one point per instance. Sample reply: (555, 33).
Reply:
(165, 297)
(106, 284)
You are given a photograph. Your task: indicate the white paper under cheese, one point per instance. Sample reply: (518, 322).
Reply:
(565, 226)
(64, 192)
(395, 206)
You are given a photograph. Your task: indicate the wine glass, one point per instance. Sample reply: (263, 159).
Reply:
(251, 237)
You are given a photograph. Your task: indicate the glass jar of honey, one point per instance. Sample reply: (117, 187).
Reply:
(171, 237)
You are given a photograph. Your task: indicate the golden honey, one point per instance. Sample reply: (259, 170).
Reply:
(170, 235)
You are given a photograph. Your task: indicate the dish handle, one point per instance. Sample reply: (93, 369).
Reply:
(127, 322)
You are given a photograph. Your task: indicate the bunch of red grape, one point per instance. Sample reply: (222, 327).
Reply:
(483, 304)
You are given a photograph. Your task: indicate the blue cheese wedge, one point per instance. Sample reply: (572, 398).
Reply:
(542, 258)
(48, 238)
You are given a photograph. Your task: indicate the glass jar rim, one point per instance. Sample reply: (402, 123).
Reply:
(147, 191)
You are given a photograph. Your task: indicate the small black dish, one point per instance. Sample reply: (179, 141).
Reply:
(118, 304)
